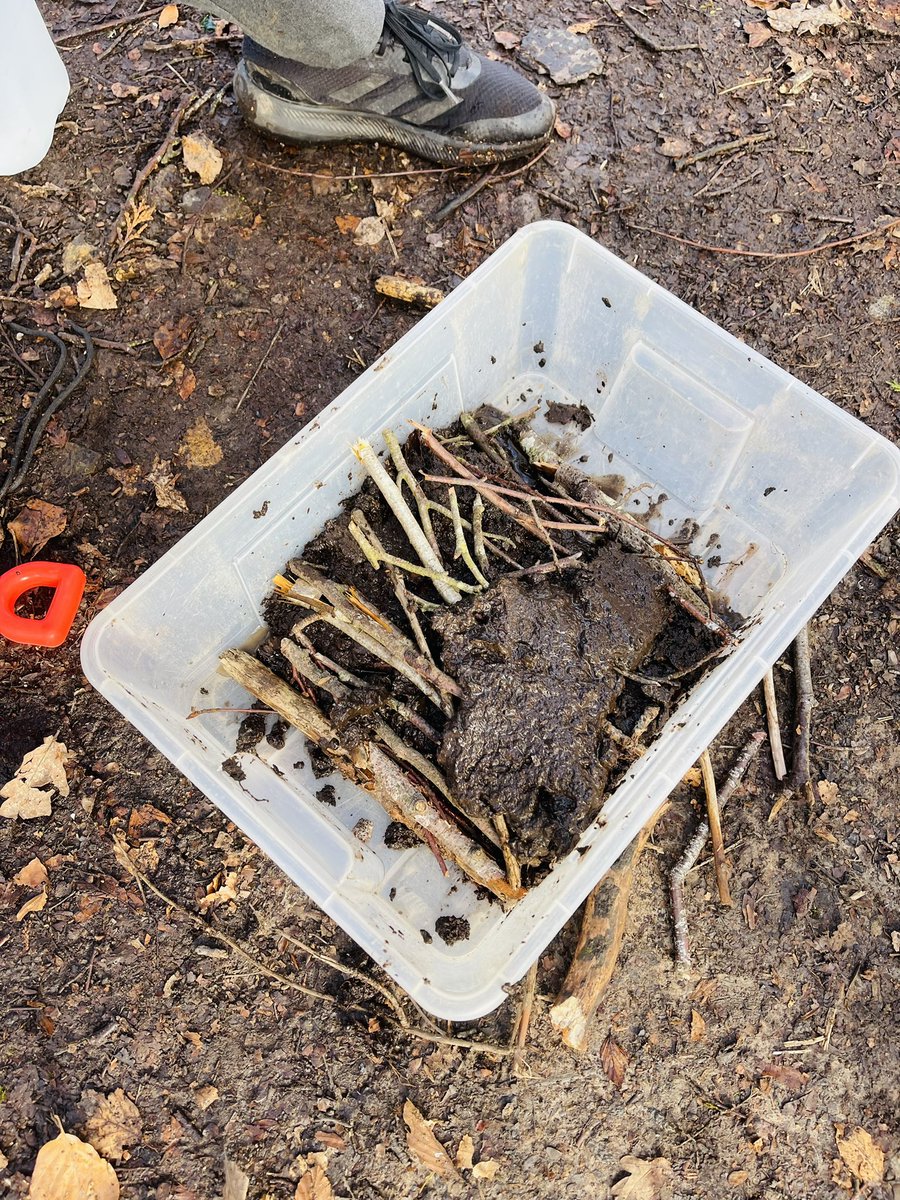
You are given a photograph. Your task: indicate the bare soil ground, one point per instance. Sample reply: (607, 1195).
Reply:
(742, 1077)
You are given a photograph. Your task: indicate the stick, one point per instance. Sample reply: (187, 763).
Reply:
(771, 254)
(260, 365)
(405, 475)
(147, 170)
(375, 559)
(523, 1019)
(367, 765)
(478, 531)
(773, 725)
(358, 519)
(715, 827)
(115, 23)
(722, 148)
(696, 844)
(646, 40)
(800, 779)
(599, 943)
(513, 869)
(398, 506)
(461, 545)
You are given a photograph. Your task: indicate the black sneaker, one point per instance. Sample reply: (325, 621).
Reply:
(421, 89)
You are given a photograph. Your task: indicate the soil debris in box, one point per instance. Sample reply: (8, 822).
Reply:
(475, 640)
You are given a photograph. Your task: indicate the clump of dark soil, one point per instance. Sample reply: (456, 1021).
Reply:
(452, 929)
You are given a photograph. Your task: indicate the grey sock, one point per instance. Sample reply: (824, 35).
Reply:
(320, 33)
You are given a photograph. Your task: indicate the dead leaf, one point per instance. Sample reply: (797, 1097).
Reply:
(646, 1180)
(369, 232)
(506, 39)
(61, 297)
(860, 1153)
(788, 1077)
(205, 1096)
(465, 1153)
(220, 892)
(128, 477)
(201, 157)
(163, 480)
(171, 338)
(94, 291)
(35, 904)
(757, 33)
(199, 448)
(36, 524)
(802, 19)
(33, 874)
(237, 1183)
(614, 1060)
(693, 777)
(187, 384)
(828, 791)
(584, 26)
(113, 1123)
(77, 252)
(24, 802)
(69, 1169)
(168, 16)
(698, 1026)
(423, 1145)
(674, 147)
(347, 224)
(332, 1140)
(486, 1169)
(562, 129)
(315, 1185)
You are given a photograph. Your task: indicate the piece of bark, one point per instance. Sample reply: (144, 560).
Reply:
(599, 943)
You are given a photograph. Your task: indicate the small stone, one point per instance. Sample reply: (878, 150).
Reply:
(363, 829)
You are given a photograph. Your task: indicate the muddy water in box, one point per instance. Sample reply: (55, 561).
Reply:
(540, 665)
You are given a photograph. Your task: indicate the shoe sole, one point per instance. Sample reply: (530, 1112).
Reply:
(294, 121)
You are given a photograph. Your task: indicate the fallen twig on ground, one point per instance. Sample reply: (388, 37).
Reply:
(105, 26)
(599, 943)
(523, 1018)
(646, 40)
(770, 254)
(715, 827)
(722, 148)
(696, 844)
(774, 725)
(800, 779)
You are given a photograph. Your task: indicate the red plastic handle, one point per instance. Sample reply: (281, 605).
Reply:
(52, 629)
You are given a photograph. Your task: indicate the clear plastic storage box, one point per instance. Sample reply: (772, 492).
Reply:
(786, 491)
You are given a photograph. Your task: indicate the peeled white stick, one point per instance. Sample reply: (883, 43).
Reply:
(400, 509)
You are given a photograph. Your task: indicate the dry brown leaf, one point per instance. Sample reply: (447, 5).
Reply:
(315, 1185)
(693, 777)
(506, 39)
(237, 1182)
(332, 1140)
(220, 892)
(77, 252)
(94, 291)
(584, 26)
(486, 1169)
(199, 448)
(23, 801)
(423, 1145)
(698, 1026)
(802, 19)
(347, 224)
(36, 524)
(205, 1096)
(828, 791)
(172, 337)
(187, 383)
(788, 1077)
(113, 1123)
(69, 1169)
(128, 478)
(860, 1153)
(757, 33)
(163, 480)
(614, 1060)
(369, 232)
(201, 157)
(33, 874)
(168, 16)
(646, 1180)
(465, 1153)
(674, 147)
(35, 904)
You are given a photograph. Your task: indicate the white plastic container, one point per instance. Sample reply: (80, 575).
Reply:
(786, 489)
(34, 86)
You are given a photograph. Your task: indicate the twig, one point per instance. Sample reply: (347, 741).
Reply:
(150, 166)
(722, 148)
(696, 844)
(405, 475)
(523, 1019)
(800, 779)
(478, 531)
(398, 506)
(490, 176)
(648, 41)
(774, 725)
(352, 973)
(545, 568)
(461, 545)
(115, 23)
(599, 943)
(513, 869)
(275, 336)
(261, 968)
(359, 177)
(376, 557)
(715, 827)
(398, 583)
(770, 254)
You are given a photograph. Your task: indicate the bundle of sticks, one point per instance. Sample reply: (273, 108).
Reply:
(560, 511)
